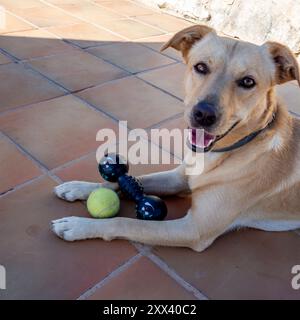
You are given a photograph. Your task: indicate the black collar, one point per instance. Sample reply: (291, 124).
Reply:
(246, 139)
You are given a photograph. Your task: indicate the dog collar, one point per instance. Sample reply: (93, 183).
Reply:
(246, 139)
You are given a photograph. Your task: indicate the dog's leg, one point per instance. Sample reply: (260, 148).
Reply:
(184, 232)
(159, 183)
(80, 190)
(181, 232)
(267, 224)
(166, 183)
(206, 221)
(197, 230)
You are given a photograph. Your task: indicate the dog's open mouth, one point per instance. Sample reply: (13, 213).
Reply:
(200, 139)
(203, 141)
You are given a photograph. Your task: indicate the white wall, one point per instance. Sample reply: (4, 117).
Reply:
(252, 20)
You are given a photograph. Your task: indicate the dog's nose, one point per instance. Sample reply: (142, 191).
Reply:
(204, 114)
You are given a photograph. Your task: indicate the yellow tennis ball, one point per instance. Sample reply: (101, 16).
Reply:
(103, 203)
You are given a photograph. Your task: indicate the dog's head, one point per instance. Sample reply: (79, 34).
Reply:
(229, 82)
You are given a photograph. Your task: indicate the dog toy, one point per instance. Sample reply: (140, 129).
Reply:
(103, 203)
(114, 168)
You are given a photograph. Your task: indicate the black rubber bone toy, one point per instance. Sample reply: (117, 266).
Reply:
(114, 168)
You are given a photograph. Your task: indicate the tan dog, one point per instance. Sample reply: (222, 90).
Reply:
(252, 159)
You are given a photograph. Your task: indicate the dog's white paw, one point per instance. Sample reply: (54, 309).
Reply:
(72, 228)
(75, 190)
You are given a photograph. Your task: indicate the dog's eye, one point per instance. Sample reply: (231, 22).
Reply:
(246, 82)
(201, 68)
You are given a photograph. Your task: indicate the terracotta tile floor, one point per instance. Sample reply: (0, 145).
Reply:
(67, 69)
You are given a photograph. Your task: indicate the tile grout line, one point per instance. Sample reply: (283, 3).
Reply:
(162, 90)
(99, 109)
(151, 256)
(22, 19)
(140, 247)
(34, 27)
(66, 91)
(10, 56)
(143, 250)
(45, 28)
(137, 41)
(45, 171)
(154, 258)
(71, 162)
(25, 106)
(297, 232)
(9, 33)
(160, 35)
(138, 72)
(86, 21)
(92, 106)
(63, 52)
(173, 63)
(80, 49)
(132, 2)
(51, 172)
(126, 17)
(99, 27)
(26, 65)
(21, 185)
(25, 61)
(162, 53)
(174, 14)
(146, 251)
(133, 17)
(93, 46)
(175, 276)
(110, 276)
(163, 12)
(131, 73)
(158, 124)
(40, 165)
(67, 24)
(86, 50)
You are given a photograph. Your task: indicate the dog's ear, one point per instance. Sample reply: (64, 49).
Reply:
(184, 39)
(287, 67)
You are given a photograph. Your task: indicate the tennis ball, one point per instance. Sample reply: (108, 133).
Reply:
(103, 203)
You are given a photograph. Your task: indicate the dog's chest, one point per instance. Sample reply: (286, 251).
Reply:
(200, 174)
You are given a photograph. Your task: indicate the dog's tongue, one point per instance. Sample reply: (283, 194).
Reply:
(200, 138)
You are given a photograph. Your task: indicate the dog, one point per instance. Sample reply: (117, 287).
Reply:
(251, 175)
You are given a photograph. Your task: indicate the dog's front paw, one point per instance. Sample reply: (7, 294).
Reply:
(75, 190)
(72, 228)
